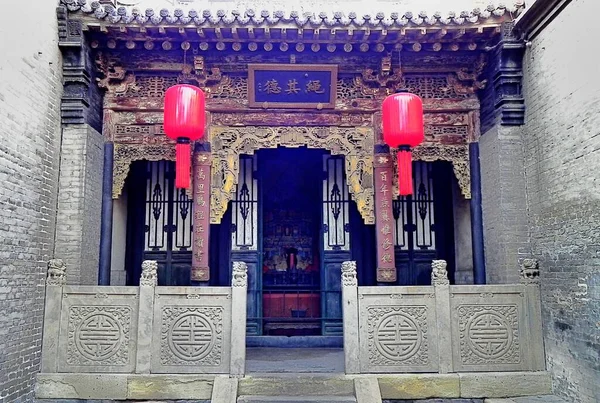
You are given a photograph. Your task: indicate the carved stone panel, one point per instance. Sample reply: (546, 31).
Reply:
(192, 330)
(98, 330)
(397, 330)
(489, 331)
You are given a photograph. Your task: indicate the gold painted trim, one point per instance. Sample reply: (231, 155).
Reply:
(458, 155)
(355, 143)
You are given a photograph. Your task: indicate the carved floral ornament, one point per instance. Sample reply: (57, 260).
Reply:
(458, 155)
(356, 144)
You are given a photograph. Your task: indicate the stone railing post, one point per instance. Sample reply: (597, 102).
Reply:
(52, 309)
(239, 290)
(530, 278)
(441, 286)
(148, 281)
(350, 317)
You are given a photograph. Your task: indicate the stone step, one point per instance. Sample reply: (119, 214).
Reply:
(296, 399)
(293, 385)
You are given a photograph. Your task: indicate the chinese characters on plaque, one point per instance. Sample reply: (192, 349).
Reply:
(292, 86)
(200, 268)
(384, 219)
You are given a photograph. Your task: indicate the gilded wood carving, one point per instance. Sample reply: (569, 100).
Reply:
(458, 155)
(356, 144)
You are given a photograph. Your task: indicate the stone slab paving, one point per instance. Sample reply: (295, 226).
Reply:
(294, 360)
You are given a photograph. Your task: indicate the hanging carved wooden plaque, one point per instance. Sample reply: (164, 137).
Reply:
(292, 86)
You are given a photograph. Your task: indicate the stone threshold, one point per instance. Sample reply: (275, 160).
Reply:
(200, 387)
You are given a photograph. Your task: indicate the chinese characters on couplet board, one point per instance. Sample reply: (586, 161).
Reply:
(292, 87)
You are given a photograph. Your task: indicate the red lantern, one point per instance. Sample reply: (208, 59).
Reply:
(402, 117)
(184, 122)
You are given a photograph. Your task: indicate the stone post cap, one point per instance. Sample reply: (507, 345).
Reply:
(439, 274)
(349, 274)
(149, 277)
(57, 272)
(530, 271)
(239, 275)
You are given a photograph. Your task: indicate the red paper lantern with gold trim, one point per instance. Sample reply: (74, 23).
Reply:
(402, 116)
(184, 122)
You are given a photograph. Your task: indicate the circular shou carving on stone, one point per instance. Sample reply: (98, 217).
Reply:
(191, 337)
(98, 337)
(490, 335)
(398, 337)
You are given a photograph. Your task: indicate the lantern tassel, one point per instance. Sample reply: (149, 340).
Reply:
(183, 163)
(405, 183)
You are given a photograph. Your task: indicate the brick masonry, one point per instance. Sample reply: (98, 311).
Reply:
(79, 203)
(506, 233)
(562, 166)
(30, 90)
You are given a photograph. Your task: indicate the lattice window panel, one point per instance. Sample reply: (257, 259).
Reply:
(346, 89)
(431, 87)
(150, 86)
(236, 88)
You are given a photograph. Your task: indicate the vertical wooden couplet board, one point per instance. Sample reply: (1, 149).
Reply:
(384, 219)
(201, 192)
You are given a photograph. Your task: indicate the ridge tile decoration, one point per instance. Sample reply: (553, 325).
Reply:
(120, 12)
(292, 86)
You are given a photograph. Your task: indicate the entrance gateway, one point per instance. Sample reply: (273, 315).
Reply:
(293, 222)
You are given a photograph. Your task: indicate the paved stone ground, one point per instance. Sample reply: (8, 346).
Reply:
(297, 360)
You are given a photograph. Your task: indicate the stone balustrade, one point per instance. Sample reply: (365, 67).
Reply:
(443, 328)
(146, 329)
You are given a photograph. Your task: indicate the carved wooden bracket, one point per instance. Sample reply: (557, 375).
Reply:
(458, 155)
(356, 144)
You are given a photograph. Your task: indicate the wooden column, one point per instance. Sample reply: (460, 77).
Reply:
(384, 220)
(200, 247)
(106, 216)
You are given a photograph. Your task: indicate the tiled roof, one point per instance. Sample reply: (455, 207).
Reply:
(113, 13)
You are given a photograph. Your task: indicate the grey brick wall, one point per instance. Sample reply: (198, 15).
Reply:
(506, 233)
(79, 203)
(562, 166)
(30, 89)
